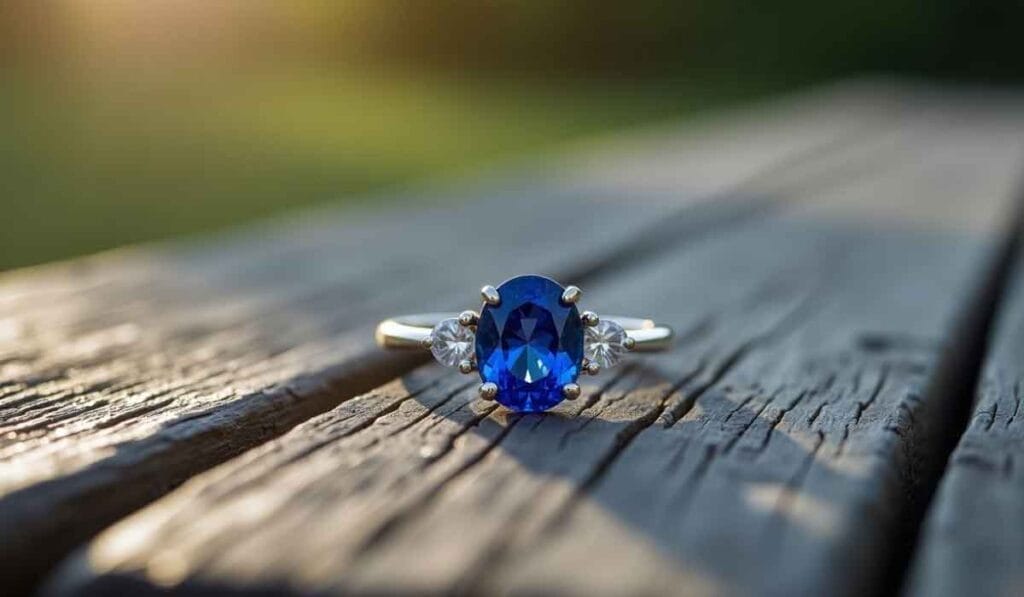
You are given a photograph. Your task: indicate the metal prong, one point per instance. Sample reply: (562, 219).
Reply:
(490, 295)
(428, 342)
(468, 318)
(571, 391)
(467, 366)
(629, 343)
(488, 390)
(590, 318)
(571, 295)
(590, 367)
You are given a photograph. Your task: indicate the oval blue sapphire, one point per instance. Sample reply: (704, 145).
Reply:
(530, 345)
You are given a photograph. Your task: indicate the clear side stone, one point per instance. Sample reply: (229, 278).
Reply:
(605, 343)
(451, 343)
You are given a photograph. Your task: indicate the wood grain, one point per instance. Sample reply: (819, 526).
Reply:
(777, 451)
(123, 375)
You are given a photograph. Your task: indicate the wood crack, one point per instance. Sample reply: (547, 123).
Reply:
(389, 525)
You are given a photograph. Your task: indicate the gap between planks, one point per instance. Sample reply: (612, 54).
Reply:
(970, 541)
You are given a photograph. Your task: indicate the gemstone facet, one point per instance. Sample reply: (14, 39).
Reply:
(605, 343)
(451, 343)
(530, 345)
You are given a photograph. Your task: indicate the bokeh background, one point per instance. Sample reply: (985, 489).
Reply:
(129, 121)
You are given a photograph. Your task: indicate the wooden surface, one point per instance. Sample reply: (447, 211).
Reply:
(831, 261)
(126, 374)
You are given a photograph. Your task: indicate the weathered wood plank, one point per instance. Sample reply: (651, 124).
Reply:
(972, 541)
(196, 368)
(775, 451)
(122, 376)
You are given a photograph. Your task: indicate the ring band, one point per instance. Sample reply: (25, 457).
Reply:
(414, 331)
(529, 342)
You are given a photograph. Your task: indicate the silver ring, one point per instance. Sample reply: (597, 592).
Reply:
(529, 342)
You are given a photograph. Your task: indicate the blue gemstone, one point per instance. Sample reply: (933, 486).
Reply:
(530, 345)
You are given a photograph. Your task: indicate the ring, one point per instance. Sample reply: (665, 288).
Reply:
(529, 342)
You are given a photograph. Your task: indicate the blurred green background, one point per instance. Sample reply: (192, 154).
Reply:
(127, 121)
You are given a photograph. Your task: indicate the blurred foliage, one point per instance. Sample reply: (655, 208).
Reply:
(978, 39)
(87, 171)
(126, 120)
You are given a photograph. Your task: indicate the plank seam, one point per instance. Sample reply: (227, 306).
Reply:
(959, 374)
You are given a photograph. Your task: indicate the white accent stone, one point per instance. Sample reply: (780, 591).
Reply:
(451, 342)
(604, 343)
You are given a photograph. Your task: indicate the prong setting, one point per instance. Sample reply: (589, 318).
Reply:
(488, 391)
(490, 295)
(529, 342)
(571, 295)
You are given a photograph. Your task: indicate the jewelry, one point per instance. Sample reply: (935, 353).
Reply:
(530, 343)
